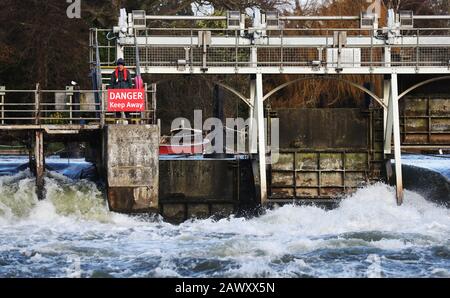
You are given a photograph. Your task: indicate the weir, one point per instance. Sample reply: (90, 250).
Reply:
(324, 154)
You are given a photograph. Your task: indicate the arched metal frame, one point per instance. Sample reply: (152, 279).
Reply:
(409, 90)
(238, 94)
(287, 84)
(225, 87)
(367, 91)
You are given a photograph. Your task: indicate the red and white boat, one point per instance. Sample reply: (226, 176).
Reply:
(173, 145)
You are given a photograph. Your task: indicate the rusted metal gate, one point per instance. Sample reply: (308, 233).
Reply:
(425, 120)
(331, 170)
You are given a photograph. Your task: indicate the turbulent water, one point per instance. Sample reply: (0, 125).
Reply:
(72, 234)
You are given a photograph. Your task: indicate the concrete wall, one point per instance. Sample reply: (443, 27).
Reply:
(196, 188)
(132, 154)
(199, 188)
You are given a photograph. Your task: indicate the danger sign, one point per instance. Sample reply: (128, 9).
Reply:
(126, 100)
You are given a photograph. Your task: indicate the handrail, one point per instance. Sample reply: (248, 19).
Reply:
(431, 17)
(185, 18)
(320, 18)
(37, 110)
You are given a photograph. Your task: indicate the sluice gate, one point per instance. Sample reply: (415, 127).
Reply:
(326, 153)
(323, 153)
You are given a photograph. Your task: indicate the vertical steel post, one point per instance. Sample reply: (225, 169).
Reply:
(154, 102)
(397, 139)
(145, 116)
(2, 97)
(69, 90)
(39, 163)
(103, 95)
(37, 104)
(387, 117)
(259, 105)
(251, 125)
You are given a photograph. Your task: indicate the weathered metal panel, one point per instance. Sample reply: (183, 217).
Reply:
(307, 161)
(199, 188)
(355, 179)
(415, 107)
(426, 120)
(175, 212)
(197, 179)
(132, 165)
(357, 161)
(198, 211)
(331, 161)
(323, 128)
(320, 175)
(440, 107)
(352, 157)
(307, 179)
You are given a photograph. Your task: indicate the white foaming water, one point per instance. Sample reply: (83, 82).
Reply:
(367, 236)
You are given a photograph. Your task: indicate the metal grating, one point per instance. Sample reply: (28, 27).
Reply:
(411, 52)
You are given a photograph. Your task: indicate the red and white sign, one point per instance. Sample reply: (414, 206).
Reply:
(126, 100)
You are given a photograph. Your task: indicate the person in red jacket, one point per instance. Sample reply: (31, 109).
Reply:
(121, 77)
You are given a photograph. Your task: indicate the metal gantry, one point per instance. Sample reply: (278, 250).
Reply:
(268, 47)
(274, 44)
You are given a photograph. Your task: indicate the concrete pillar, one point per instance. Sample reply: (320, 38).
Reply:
(39, 163)
(259, 111)
(132, 166)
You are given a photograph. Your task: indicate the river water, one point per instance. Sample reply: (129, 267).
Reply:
(72, 234)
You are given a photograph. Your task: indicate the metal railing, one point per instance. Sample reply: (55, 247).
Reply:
(75, 108)
(283, 48)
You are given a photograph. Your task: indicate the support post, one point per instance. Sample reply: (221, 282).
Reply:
(386, 95)
(251, 126)
(218, 111)
(145, 116)
(37, 105)
(388, 119)
(39, 163)
(261, 137)
(103, 100)
(2, 97)
(69, 93)
(154, 103)
(397, 141)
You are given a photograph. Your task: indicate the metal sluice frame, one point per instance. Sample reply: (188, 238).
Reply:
(271, 48)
